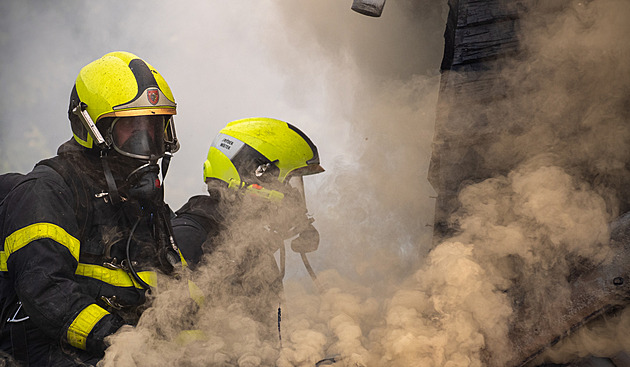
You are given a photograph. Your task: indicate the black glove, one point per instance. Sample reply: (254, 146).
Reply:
(306, 241)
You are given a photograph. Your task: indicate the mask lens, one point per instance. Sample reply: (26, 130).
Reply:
(139, 136)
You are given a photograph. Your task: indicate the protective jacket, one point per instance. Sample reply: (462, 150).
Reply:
(201, 228)
(65, 279)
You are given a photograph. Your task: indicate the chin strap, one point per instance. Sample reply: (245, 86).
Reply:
(111, 183)
(166, 161)
(173, 255)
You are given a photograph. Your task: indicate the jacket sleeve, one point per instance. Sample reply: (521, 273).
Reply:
(190, 236)
(196, 226)
(41, 254)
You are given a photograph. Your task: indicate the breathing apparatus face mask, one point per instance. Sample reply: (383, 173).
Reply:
(144, 184)
(307, 239)
(286, 212)
(281, 206)
(139, 142)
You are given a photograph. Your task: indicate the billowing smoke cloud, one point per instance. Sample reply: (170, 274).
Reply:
(455, 310)
(562, 131)
(223, 313)
(604, 337)
(520, 231)
(371, 223)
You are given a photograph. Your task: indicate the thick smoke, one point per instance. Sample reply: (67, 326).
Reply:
(383, 83)
(371, 223)
(383, 300)
(604, 337)
(562, 129)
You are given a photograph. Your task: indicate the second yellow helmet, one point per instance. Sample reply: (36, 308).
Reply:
(260, 150)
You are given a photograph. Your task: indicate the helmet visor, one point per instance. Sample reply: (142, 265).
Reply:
(297, 183)
(296, 197)
(170, 137)
(140, 137)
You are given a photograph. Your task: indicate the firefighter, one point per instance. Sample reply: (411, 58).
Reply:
(84, 232)
(255, 202)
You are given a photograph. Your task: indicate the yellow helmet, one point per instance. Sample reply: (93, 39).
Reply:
(260, 151)
(118, 92)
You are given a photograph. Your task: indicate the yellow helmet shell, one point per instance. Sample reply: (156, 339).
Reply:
(119, 84)
(281, 143)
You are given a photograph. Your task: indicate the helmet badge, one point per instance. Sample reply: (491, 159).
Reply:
(153, 96)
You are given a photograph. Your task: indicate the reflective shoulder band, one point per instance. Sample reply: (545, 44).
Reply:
(28, 234)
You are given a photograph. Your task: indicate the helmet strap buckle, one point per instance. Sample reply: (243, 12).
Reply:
(261, 169)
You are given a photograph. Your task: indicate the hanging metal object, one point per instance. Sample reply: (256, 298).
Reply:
(372, 8)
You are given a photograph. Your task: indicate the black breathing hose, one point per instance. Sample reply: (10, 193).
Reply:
(135, 275)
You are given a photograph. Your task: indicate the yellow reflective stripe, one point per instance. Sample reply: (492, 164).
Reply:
(28, 234)
(3, 261)
(181, 258)
(86, 143)
(188, 336)
(195, 293)
(83, 325)
(115, 277)
(149, 277)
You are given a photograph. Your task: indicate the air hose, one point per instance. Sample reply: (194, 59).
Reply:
(133, 272)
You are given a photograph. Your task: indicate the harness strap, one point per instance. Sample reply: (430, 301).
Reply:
(111, 183)
(166, 161)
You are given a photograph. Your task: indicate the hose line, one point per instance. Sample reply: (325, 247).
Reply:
(308, 267)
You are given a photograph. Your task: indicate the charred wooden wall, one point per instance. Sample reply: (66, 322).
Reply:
(481, 41)
(480, 37)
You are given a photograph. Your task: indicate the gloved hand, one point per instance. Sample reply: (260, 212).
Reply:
(306, 241)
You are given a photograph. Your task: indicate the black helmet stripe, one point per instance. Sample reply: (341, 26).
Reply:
(247, 159)
(144, 78)
(315, 159)
(75, 123)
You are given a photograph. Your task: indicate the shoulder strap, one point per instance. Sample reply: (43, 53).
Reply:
(75, 181)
